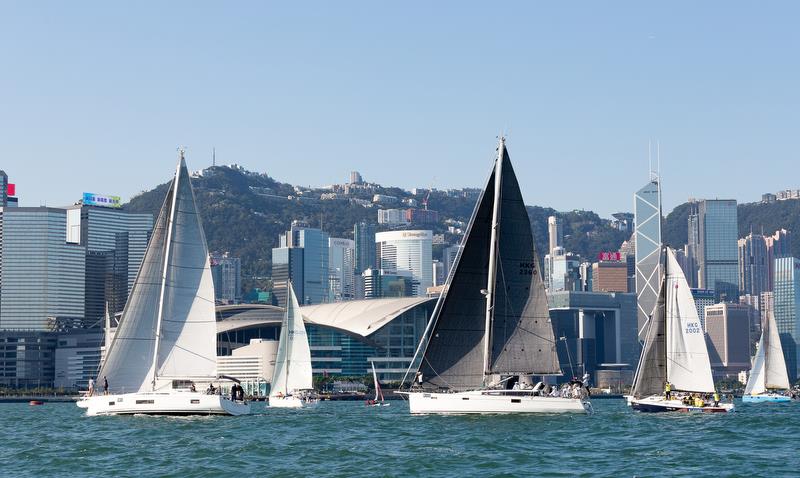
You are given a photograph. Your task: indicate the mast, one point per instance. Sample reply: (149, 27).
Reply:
(167, 251)
(666, 319)
(492, 273)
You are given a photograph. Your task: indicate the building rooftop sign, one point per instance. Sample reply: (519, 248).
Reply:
(91, 199)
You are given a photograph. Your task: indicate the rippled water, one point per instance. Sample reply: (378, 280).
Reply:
(349, 439)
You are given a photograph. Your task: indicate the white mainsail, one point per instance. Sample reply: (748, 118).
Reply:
(378, 392)
(769, 368)
(168, 328)
(688, 365)
(293, 361)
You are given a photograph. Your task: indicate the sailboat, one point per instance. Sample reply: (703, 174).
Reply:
(491, 324)
(167, 337)
(674, 352)
(292, 385)
(768, 374)
(378, 401)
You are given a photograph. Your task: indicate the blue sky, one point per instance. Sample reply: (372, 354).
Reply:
(97, 96)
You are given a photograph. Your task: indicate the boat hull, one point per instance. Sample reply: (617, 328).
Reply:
(492, 402)
(292, 402)
(766, 398)
(658, 404)
(162, 403)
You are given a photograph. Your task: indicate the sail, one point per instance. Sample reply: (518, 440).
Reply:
(378, 392)
(128, 364)
(776, 377)
(651, 374)
(522, 339)
(188, 343)
(688, 365)
(755, 382)
(293, 361)
(453, 356)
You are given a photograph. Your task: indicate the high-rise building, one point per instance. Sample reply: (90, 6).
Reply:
(702, 299)
(647, 250)
(7, 191)
(728, 337)
(717, 254)
(786, 307)
(364, 238)
(226, 271)
(692, 246)
(438, 273)
(778, 245)
(303, 259)
(407, 251)
(115, 242)
(355, 177)
(753, 265)
(381, 284)
(42, 273)
(610, 276)
(341, 258)
(562, 270)
(449, 256)
(555, 232)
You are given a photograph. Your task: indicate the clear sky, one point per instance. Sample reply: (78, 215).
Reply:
(96, 96)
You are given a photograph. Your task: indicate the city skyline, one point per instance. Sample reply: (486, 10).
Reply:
(272, 88)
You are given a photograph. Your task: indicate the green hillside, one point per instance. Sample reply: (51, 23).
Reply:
(244, 213)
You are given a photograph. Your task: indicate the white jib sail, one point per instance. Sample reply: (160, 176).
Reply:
(776, 376)
(755, 382)
(688, 365)
(293, 362)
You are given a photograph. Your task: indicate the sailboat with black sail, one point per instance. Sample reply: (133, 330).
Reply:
(491, 325)
(674, 372)
(166, 340)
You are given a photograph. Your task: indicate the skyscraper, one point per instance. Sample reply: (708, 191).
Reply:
(226, 271)
(786, 307)
(727, 327)
(341, 259)
(753, 265)
(302, 258)
(364, 238)
(41, 272)
(717, 254)
(647, 247)
(778, 245)
(115, 242)
(555, 231)
(408, 251)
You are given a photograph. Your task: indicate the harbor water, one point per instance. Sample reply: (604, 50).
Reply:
(349, 439)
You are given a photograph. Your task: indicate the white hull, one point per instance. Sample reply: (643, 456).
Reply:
(162, 403)
(292, 402)
(658, 403)
(492, 401)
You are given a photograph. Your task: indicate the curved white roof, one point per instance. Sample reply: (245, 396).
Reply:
(360, 317)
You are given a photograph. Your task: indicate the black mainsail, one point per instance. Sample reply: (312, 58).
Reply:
(520, 338)
(652, 371)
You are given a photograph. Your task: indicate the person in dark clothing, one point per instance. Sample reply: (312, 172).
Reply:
(105, 385)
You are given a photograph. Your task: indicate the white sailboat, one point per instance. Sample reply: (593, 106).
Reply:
(167, 337)
(675, 352)
(492, 322)
(768, 375)
(292, 385)
(378, 401)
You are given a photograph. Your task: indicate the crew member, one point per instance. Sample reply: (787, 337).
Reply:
(667, 390)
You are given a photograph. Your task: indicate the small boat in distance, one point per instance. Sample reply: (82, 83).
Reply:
(292, 385)
(491, 326)
(768, 375)
(166, 341)
(378, 401)
(674, 372)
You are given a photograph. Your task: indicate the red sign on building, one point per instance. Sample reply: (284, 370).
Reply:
(11, 190)
(609, 256)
